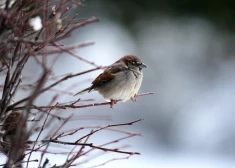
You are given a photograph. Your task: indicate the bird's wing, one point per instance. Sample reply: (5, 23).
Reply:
(106, 76)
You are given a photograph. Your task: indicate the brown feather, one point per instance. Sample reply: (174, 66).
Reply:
(105, 77)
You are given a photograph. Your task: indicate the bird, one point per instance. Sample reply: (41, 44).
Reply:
(14, 138)
(119, 82)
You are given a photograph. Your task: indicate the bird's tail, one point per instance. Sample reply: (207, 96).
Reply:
(83, 91)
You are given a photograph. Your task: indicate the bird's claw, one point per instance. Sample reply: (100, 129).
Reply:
(112, 103)
(134, 98)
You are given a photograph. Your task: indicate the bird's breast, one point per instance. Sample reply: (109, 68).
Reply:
(124, 86)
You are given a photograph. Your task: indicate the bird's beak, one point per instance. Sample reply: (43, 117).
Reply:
(143, 65)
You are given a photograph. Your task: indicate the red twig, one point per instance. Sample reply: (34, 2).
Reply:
(77, 56)
(42, 128)
(81, 24)
(108, 126)
(71, 105)
(114, 159)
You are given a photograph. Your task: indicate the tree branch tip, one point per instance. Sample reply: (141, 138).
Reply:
(136, 153)
(137, 134)
(137, 121)
(145, 94)
(96, 18)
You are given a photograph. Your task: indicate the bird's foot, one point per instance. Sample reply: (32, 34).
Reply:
(112, 103)
(134, 98)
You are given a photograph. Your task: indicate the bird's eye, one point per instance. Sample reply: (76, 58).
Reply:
(138, 63)
(133, 63)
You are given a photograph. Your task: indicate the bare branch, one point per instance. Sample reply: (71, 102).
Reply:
(70, 105)
(83, 23)
(54, 84)
(90, 145)
(111, 160)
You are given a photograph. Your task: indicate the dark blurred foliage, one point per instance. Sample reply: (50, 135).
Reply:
(221, 13)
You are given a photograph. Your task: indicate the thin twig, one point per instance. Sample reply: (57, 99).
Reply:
(83, 23)
(114, 159)
(68, 47)
(42, 128)
(108, 126)
(92, 146)
(70, 105)
(76, 56)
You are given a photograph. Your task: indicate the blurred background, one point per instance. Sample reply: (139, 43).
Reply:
(189, 48)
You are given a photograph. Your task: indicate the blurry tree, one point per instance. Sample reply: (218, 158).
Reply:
(220, 12)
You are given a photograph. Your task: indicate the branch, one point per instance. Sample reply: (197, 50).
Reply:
(108, 126)
(68, 47)
(54, 84)
(85, 22)
(69, 105)
(114, 159)
(90, 145)
(75, 55)
(42, 128)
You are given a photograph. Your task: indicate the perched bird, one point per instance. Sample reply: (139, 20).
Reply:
(119, 82)
(14, 138)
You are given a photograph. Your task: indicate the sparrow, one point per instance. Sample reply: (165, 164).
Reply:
(14, 138)
(119, 82)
